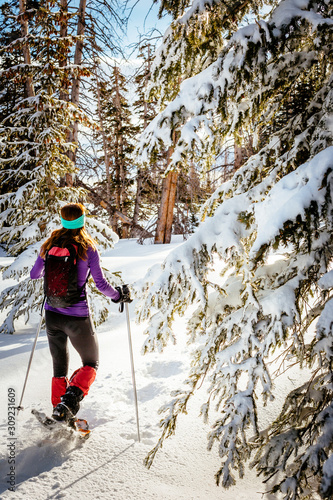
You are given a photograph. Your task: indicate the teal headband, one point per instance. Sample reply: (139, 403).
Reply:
(73, 224)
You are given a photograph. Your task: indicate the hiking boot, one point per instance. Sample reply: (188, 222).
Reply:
(69, 405)
(62, 413)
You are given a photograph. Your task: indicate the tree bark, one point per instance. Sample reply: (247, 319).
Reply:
(165, 215)
(171, 206)
(168, 198)
(75, 95)
(238, 152)
(64, 58)
(243, 152)
(29, 88)
(138, 195)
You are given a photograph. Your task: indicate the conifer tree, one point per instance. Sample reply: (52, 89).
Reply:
(11, 91)
(271, 228)
(34, 145)
(119, 134)
(9, 32)
(190, 44)
(152, 189)
(146, 177)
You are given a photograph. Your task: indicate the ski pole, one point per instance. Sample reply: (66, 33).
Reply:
(20, 407)
(133, 371)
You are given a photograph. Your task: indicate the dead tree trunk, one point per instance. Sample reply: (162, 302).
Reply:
(165, 214)
(168, 200)
(29, 88)
(75, 96)
(64, 58)
(243, 152)
(138, 196)
(238, 152)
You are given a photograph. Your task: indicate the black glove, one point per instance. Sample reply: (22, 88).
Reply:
(124, 293)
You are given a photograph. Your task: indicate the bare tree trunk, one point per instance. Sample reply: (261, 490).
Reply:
(75, 96)
(171, 206)
(29, 88)
(162, 211)
(238, 151)
(165, 214)
(242, 153)
(64, 60)
(79, 51)
(138, 196)
(168, 199)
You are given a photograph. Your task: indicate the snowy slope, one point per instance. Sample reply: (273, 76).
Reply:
(110, 464)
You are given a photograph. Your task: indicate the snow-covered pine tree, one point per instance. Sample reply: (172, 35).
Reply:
(192, 42)
(147, 177)
(144, 107)
(119, 133)
(10, 90)
(270, 228)
(34, 146)
(9, 31)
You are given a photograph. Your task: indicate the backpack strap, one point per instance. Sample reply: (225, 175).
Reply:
(74, 254)
(82, 287)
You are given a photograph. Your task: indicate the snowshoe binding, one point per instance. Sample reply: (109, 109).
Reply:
(65, 428)
(69, 405)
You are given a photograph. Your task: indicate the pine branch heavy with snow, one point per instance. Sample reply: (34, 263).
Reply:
(270, 230)
(34, 157)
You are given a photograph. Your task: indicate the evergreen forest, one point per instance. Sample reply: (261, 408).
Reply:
(220, 130)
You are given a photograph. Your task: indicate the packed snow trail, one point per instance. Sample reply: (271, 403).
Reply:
(110, 464)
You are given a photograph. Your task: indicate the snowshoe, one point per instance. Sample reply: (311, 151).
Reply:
(73, 426)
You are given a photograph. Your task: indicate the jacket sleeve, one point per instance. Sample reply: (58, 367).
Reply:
(38, 269)
(98, 276)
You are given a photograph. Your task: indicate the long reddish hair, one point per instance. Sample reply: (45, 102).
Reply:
(63, 237)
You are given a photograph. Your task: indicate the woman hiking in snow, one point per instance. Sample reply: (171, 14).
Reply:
(66, 260)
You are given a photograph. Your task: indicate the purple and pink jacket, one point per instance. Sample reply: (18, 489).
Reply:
(92, 263)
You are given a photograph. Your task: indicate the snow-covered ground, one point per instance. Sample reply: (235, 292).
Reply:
(109, 465)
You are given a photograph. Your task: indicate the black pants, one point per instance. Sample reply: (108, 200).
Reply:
(59, 328)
